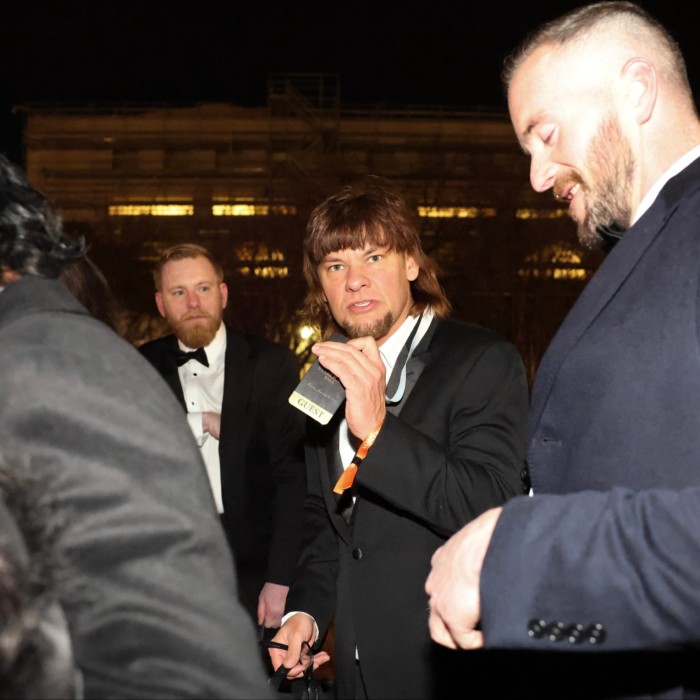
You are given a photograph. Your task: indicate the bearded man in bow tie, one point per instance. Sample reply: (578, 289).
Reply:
(234, 388)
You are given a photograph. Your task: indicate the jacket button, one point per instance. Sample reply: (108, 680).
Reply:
(535, 628)
(555, 631)
(575, 633)
(595, 634)
(357, 553)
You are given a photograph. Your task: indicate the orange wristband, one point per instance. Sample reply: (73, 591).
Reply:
(347, 478)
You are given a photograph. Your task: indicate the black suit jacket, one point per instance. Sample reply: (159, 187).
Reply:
(452, 448)
(148, 591)
(615, 449)
(263, 479)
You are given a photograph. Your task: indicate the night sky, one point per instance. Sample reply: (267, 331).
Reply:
(392, 53)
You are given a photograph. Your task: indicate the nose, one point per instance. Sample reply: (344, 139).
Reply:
(192, 300)
(356, 279)
(542, 172)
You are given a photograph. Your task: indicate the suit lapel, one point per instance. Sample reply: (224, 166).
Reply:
(169, 370)
(605, 283)
(415, 366)
(340, 507)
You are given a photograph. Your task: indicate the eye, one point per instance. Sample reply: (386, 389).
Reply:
(549, 135)
(334, 267)
(374, 258)
(204, 288)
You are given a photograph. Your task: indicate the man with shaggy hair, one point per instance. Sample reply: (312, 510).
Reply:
(432, 427)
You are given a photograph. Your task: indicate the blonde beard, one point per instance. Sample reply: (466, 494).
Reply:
(197, 335)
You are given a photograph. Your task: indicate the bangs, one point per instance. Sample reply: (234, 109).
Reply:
(349, 237)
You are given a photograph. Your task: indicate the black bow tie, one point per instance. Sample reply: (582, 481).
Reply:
(610, 235)
(199, 354)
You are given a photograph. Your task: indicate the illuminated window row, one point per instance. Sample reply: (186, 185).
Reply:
(151, 210)
(558, 273)
(456, 212)
(252, 209)
(541, 213)
(188, 210)
(487, 212)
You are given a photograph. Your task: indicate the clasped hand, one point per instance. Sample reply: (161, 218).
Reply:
(296, 633)
(359, 367)
(453, 584)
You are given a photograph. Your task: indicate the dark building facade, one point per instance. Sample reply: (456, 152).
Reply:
(135, 179)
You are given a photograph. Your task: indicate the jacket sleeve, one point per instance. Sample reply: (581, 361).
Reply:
(149, 591)
(284, 432)
(459, 448)
(626, 561)
(314, 588)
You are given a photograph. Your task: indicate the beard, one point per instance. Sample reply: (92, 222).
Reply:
(199, 334)
(376, 329)
(608, 198)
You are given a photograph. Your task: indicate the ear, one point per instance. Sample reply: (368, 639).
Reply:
(641, 88)
(223, 291)
(412, 269)
(159, 304)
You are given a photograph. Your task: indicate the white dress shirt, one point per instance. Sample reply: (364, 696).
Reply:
(203, 388)
(650, 197)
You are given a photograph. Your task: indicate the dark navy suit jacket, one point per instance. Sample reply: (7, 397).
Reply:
(615, 422)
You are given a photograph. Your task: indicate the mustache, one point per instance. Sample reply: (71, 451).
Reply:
(195, 314)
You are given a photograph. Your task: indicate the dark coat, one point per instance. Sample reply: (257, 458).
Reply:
(452, 448)
(148, 592)
(616, 422)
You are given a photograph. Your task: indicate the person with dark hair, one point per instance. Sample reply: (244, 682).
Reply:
(90, 287)
(606, 556)
(251, 439)
(148, 594)
(432, 428)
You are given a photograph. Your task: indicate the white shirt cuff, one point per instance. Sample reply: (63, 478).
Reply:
(300, 612)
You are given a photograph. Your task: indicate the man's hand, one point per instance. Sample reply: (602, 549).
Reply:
(453, 584)
(297, 629)
(211, 423)
(360, 369)
(271, 604)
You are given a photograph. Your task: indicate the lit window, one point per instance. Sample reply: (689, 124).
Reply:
(270, 272)
(260, 260)
(456, 212)
(249, 209)
(151, 210)
(541, 213)
(554, 261)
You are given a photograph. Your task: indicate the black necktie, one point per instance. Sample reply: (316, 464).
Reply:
(199, 354)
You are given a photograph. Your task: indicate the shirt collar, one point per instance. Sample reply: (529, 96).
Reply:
(391, 347)
(650, 197)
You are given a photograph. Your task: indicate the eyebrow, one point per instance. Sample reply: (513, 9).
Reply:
(334, 255)
(196, 284)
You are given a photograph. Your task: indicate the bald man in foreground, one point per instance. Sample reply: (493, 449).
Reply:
(604, 561)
